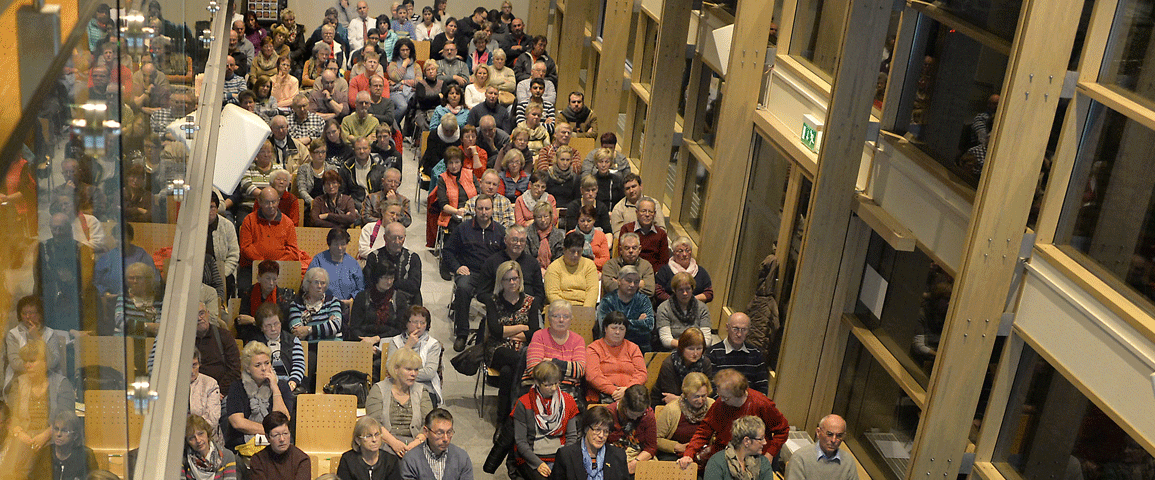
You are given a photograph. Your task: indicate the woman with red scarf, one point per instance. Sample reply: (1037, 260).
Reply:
(545, 419)
(264, 291)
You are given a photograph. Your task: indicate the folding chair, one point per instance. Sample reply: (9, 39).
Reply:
(312, 240)
(290, 276)
(325, 428)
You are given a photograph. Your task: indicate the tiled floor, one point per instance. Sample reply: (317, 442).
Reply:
(474, 434)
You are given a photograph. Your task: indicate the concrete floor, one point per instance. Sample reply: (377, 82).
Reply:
(474, 433)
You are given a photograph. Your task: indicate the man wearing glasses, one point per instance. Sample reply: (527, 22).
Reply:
(733, 352)
(735, 400)
(518, 249)
(438, 458)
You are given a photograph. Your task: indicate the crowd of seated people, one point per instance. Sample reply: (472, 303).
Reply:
(530, 228)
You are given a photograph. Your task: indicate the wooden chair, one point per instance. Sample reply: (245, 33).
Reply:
(584, 319)
(311, 240)
(422, 51)
(354, 237)
(653, 366)
(325, 428)
(112, 427)
(290, 276)
(659, 470)
(584, 145)
(153, 236)
(334, 357)
(108, 351)
(240, 344)
(230, 316)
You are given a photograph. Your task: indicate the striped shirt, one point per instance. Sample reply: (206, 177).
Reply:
(324, 320)
(747, 360)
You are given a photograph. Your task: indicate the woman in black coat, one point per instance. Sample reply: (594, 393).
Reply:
(366, 461)
(571, 460)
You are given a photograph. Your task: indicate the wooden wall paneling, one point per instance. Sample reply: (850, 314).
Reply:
(814, 304)
(612, 64)
(569, 47)
(729, 175)
(1040, 51)
(662, 113)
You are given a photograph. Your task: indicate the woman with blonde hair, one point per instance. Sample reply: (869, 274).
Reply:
(514, 179)
(502, 77)
(475, 92)
(679, 420)
(366, 461)
(511, 317)
(250, 400)
(399, 403)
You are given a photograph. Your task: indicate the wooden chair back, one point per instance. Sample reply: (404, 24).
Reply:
(290, 276)
(584, 145)
(111, 426)
(325, 428)
(659, 470)
(422, 53)
(108, 351)
(354, 238)
(654, 362)
(334, 357)
(311, 240)
(153, 236)
(583, 322)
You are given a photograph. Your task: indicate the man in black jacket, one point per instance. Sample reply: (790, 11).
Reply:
(516, 243)
(470, 244)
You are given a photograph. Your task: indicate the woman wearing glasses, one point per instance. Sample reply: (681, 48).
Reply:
(366, 461)
(591, 458)
(742, 459)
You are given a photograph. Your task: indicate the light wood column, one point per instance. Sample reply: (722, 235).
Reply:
(1039, 56)
(729, 176)
(9, 58)
(812, 336)
(571, 40)
(662, 113)
(612, 66)
(537, 20)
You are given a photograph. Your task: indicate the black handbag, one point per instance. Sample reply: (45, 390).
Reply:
(468, 362)
(349, 382)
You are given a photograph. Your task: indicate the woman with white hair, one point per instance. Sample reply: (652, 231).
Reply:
(559, 345)
(682, 260)
(280, 179)
(316, 315)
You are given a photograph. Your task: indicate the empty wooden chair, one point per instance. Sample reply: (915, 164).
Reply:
(325, 429)
(334, 357)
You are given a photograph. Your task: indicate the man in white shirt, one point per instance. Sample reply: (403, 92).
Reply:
(359, 27)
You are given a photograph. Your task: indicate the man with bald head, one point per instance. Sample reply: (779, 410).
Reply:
(359, 27)
(735, 353)
(326, 101)
(537, 71)
(266, 234)
(360, 124)
(825, 459)
(288, 152)
(408, 263)
(491, 137)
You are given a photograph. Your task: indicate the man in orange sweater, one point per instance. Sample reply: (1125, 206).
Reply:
(266, 234)
(735, 399)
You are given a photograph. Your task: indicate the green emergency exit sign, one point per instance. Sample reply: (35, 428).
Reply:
(811, 132)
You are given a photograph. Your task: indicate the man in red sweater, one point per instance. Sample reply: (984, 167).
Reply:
(735, 399)
(266, 234)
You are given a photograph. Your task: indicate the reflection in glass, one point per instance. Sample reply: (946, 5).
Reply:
(884, 418)
(910, 319)
(817, 36)
(1125, 61)
(1051, 430)
(709, 107)
(949, 100)
(694, 194)
(1107, 219)
(996, 16)
(755, 285)
(645, 68)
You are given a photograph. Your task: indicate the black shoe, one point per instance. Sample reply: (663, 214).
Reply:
(459, 344)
